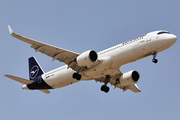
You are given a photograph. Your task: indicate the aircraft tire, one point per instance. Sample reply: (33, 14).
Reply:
(154, 60)
(75, 75)
(105, 88)
(78, 76)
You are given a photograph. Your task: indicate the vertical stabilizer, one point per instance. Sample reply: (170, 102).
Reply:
(35, 69)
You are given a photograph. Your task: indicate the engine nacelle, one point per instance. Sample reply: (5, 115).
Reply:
(87, 58)
(129, 78)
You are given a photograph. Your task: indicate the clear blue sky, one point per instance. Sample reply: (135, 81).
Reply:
(80, 25)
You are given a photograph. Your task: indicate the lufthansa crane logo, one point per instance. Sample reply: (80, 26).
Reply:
(34, 71)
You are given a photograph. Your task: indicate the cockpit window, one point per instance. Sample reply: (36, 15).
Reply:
(163, 32)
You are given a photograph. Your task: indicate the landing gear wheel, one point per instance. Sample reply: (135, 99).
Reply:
(154, 60)
(105, 88)
(76, 76)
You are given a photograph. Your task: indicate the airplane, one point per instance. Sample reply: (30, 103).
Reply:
(103, 66)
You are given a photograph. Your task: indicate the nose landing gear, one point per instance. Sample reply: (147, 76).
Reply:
(154, 53)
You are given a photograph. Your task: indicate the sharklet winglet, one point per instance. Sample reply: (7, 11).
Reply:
(10, 30)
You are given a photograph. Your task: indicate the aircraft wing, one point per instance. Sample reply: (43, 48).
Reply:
(56, 53)
(134, 88)
(116, 84)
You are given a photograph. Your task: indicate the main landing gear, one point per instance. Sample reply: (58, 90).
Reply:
(154, 60)
(104, 87)
(76, 76)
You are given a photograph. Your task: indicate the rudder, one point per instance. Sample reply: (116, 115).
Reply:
(35, 69)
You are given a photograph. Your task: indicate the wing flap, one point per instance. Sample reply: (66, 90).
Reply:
(18, 79)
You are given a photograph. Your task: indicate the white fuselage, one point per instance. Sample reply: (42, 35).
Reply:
(113, 58)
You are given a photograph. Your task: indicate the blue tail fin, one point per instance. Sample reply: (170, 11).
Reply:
(35, 69)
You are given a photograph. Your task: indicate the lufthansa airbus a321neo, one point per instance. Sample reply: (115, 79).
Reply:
(102, 66)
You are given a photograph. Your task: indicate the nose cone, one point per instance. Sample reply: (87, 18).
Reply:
(25, 87)
(172, 38)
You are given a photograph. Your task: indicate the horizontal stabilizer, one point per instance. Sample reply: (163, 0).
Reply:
(45, 91)
(21, 80)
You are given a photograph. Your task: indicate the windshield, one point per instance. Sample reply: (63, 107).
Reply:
(163, 32)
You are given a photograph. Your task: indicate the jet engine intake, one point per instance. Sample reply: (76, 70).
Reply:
(87, 58)
(129, 78)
